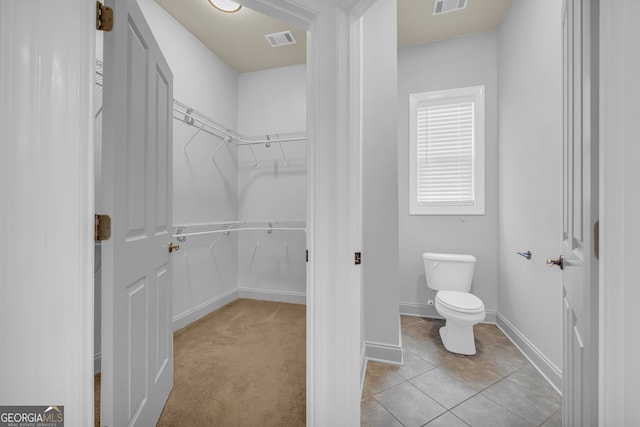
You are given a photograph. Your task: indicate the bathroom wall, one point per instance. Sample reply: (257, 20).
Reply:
(271, 265)
(204, 190)
(465, 61)
(530, 169)
(379, 181)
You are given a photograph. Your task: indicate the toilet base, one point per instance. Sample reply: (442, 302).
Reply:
(458, 338)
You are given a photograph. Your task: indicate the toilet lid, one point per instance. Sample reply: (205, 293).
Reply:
(460, 301)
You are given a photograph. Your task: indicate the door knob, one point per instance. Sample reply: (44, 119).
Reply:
(173, 247)
(559, 262)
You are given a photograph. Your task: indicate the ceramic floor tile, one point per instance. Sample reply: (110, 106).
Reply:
(433, 378)
(428, 349)
(373, 414)
(554, 420)
(443, 388)
(473, 375)
(502, 359)
(447, 420)
(406, 321)
(529, 377)
(490, 334)
(527, 394)
(379, 377)
(409, 405)
(480, 411)
(413, 365)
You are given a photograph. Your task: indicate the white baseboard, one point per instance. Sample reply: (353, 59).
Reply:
(271, 295)
(203, 309)
(97, 363)
(385, 353)
(539, 361)
(423, 310)
(378, 352)
(363, 365)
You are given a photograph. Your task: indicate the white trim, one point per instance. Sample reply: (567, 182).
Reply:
(364, 362)
(384, 353)
(619, 132)
(423, 310)
(201, 310)
(97, 362)
(390, 354)
(547, 369)
(47, 165)
(273, 295)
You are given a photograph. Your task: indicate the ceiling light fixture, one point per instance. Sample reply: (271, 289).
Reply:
(227, 6)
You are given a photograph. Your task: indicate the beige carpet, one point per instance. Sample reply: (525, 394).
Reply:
(242, 365)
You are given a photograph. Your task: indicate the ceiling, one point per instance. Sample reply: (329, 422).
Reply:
(238, 38)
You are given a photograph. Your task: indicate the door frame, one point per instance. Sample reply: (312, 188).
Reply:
(619, 375)
(334, 220)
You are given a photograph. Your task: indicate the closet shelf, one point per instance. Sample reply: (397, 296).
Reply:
(197, 231)
(202, 123)
(183, 231)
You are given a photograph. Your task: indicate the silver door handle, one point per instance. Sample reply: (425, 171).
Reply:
(553, 262)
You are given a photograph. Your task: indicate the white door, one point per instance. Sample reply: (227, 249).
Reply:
(137, 340)
(580, 213)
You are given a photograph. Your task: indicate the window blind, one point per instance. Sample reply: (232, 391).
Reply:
(445, 138)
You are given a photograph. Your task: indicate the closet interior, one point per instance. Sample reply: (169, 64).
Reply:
(239, 178)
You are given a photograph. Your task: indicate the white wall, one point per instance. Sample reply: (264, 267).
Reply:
(530, 169)
(379, 180)
(204, 191)
(460, 62)
(272, 264)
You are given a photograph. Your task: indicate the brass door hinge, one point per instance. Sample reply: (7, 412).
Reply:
(357, 258)
(104, 17)
(102, 228)
(596, 239)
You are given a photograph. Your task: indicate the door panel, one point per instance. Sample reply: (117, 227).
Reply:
(137, 128)
(580, 204)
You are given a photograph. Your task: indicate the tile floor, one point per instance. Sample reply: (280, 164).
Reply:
(496, 387)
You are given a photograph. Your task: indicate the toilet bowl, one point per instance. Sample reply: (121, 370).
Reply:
(451, 275)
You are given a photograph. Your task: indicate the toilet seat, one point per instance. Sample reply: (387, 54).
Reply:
(462, 302)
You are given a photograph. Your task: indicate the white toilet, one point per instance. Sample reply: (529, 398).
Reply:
(450, 275)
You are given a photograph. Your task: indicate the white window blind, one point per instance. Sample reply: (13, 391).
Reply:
(447, 152)
(445, 155)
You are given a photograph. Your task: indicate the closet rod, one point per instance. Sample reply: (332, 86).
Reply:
(227, 230)
(191, 115)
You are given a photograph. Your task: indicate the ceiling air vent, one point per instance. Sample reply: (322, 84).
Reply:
(446, 6)
(281, 39)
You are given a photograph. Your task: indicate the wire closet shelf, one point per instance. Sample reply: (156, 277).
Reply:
(227, 227)
(196, 232)
(202, 123)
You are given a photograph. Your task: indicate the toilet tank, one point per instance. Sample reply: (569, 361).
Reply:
(450, 272)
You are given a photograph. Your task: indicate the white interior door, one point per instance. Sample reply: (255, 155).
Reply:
(137, 343)
(580, 213)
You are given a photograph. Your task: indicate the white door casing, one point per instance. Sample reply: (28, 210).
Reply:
(580, 212)
(619, 372)
(137, 339)
(47, 69)
(333, 201)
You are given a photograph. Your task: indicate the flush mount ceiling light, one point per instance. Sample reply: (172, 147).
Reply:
(227, 6)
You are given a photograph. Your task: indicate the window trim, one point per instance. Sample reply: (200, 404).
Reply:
(472, 93)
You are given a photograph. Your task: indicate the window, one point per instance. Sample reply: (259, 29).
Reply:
(447, 152)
